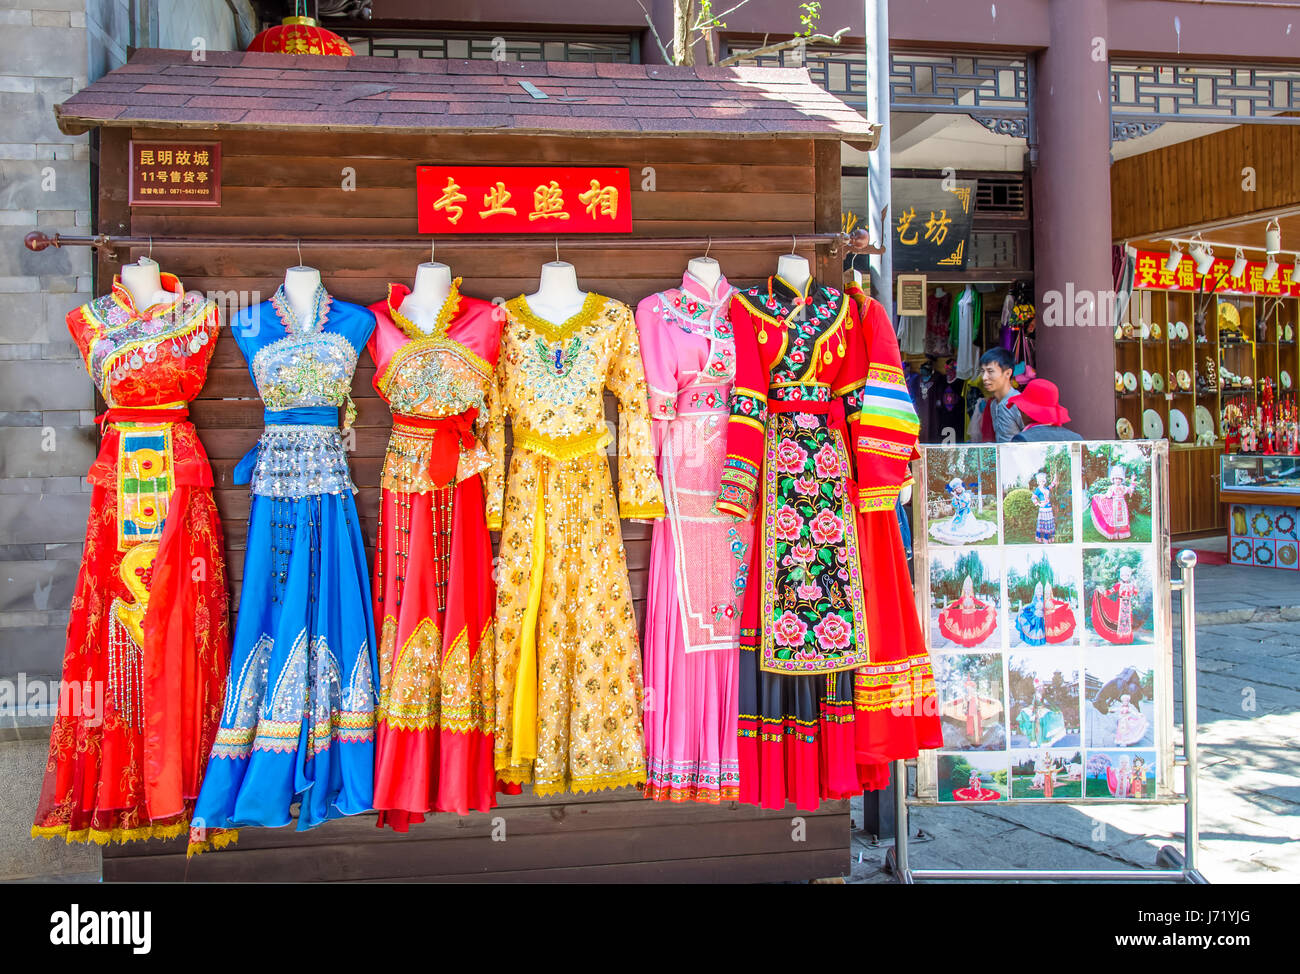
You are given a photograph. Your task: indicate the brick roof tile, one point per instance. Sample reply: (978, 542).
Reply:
(306, 91)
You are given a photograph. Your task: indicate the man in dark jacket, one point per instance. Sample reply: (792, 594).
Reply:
(1040, 404)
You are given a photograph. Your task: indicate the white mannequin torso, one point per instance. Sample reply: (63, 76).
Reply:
(706, 270)
(558, 297)
(300, 284)
(429, 293)
(794, 270)
(144, 280)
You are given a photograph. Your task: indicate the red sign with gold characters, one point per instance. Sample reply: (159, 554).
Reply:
(1150, 273)
(523, 199)
(175, 173)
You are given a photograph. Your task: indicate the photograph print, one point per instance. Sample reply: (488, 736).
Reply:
(971, 701)
(1122, 775)
(1119, 697)
(1117, 492)
(965, 599)
(1047, 774)
(1037, 493)
(1044, 700)
(1044, 596)
(1119, 596)
(961, 495)
(974, 776)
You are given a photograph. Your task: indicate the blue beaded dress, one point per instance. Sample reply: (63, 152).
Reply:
(299, 717)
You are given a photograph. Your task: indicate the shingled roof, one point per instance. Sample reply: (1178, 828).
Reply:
(309, 92)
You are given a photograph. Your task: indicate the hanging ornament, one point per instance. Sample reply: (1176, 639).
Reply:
(300, 35)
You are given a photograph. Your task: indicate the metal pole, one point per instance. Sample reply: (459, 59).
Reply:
(879, 162)
(39, 240)
(1191, 827)
(1091, 875)
(902, 871)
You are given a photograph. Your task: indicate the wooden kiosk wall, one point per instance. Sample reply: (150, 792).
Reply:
(285, 184)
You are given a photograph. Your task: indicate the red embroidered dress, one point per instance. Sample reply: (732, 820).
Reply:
(433, 585)
(896, 714)
(148, 626)
(804, 618)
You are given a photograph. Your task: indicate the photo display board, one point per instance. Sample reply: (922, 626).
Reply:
(1042, 582)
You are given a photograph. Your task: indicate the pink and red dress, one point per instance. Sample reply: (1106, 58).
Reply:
(432, 579)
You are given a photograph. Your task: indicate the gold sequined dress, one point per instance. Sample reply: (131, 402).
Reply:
(568, 667)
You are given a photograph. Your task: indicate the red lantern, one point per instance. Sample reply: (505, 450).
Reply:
(300, 35)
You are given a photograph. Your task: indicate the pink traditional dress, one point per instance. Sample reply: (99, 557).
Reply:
(1110, 508)
(698, 558)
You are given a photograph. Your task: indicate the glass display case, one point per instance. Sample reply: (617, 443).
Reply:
(1255, 473)
(1262, 510)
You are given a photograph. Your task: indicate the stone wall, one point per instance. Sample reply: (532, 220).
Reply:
(48, 50)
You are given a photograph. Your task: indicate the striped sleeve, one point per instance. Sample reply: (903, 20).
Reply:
(888, 426)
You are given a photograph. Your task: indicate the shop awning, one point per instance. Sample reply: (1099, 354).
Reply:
(303, 92)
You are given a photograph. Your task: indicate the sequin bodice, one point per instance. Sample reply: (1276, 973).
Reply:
(436, 383)
(305, 367)
(305, 370)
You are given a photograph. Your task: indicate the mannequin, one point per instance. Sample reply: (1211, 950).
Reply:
(428, 295)
(144, 280)
(794, 270)
(300, 284)
(558, 297)
(706, 270)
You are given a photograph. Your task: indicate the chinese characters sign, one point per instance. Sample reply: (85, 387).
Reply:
(931, 223)
(1150, 273)
(523, 199)
(175, 173)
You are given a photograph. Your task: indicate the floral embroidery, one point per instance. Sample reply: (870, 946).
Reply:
(832, 632)
(789, 524)
(811, 582)
(790, 630)
(827, 462)
(826, 528)
(791, 459)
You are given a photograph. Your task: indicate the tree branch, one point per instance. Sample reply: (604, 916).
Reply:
(699, 24)
(784, 46)
(658, 40)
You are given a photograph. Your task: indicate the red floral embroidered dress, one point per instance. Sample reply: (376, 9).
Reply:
(148, 627)
(812, 679)
(433, 587)
(896, 714)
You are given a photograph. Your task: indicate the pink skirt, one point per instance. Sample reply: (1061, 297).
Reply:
(691, 703)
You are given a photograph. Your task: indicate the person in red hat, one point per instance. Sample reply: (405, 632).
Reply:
(1039, 403)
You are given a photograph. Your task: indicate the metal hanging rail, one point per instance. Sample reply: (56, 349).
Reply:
(858, 242)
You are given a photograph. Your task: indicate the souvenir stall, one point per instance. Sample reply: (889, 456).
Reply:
(1208, 361)
(351, 172)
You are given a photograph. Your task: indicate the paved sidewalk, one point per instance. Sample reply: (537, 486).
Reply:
(1248, 694)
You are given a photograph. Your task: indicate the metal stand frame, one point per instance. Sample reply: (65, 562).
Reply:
(1175, 866)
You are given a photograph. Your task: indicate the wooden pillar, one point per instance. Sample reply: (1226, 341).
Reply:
(1072, 234)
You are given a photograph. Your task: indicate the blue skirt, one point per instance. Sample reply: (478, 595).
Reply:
(1031, 625)
(299, 718)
